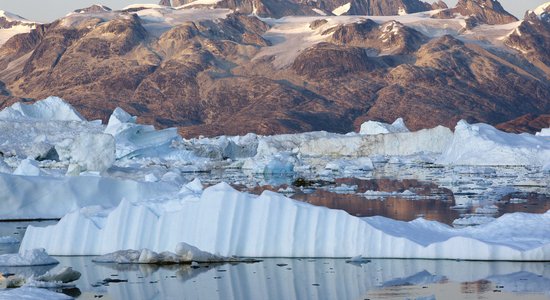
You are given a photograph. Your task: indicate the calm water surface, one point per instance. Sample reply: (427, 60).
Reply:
(442, 194)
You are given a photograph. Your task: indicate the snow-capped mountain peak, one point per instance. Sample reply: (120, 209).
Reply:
(542, 12)
(10, 17)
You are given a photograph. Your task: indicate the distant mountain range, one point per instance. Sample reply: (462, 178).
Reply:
(274, 66)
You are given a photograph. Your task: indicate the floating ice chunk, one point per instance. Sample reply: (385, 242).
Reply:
(359, 259)
(8, 240)
(191, 253)
(487, 210)
(482, 144)
(117, 121)
(91, 152)
(281, 163)
(32, 257)
(472, 220)
(49, 109)
(65, 275)
(184, 254)
(350, 165)
(28, 167)
(373, 127)
(134, 140)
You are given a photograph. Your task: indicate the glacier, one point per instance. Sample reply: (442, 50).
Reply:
(227, 222)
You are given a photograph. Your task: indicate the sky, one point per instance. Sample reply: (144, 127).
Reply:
(49, 10)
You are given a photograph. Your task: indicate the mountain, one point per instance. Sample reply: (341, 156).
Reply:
(281, 8)
(479, 12)
(532, 36)
(211, 71)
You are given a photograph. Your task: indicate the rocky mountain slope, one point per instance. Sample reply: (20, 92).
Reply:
(280, 8)
(212, 71)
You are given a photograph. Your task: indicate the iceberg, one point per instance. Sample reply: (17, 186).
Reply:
(373, 127)
(482, 144)
(43, 197)
(49, 109)
(226, 222)
(138, 140)
(435, 140)
(184, 254)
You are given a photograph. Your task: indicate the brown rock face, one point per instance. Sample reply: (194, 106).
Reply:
(387, 8)
(479, 12)
(208, 77)
(527, 123)
(532, 37)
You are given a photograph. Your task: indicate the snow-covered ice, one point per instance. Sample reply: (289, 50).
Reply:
(52, 108)
(482, 144)
(29, 257)
(183, 254)
(373, 127)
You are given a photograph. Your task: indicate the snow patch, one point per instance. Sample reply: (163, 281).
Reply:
(342, 9)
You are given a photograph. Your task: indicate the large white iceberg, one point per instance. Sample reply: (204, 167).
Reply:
(230, 223)
(482, 144)
(49, 109)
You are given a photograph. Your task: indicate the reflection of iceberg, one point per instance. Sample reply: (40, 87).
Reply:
(522, 282)
(335, 278)
(226, 222)
(423, 277)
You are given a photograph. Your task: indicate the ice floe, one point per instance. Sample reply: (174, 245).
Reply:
(30, 257)
(184, 254)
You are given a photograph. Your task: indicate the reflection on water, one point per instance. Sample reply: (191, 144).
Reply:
(314, 279)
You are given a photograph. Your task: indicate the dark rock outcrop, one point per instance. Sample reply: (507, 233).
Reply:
(532, 36)
(479, 12)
